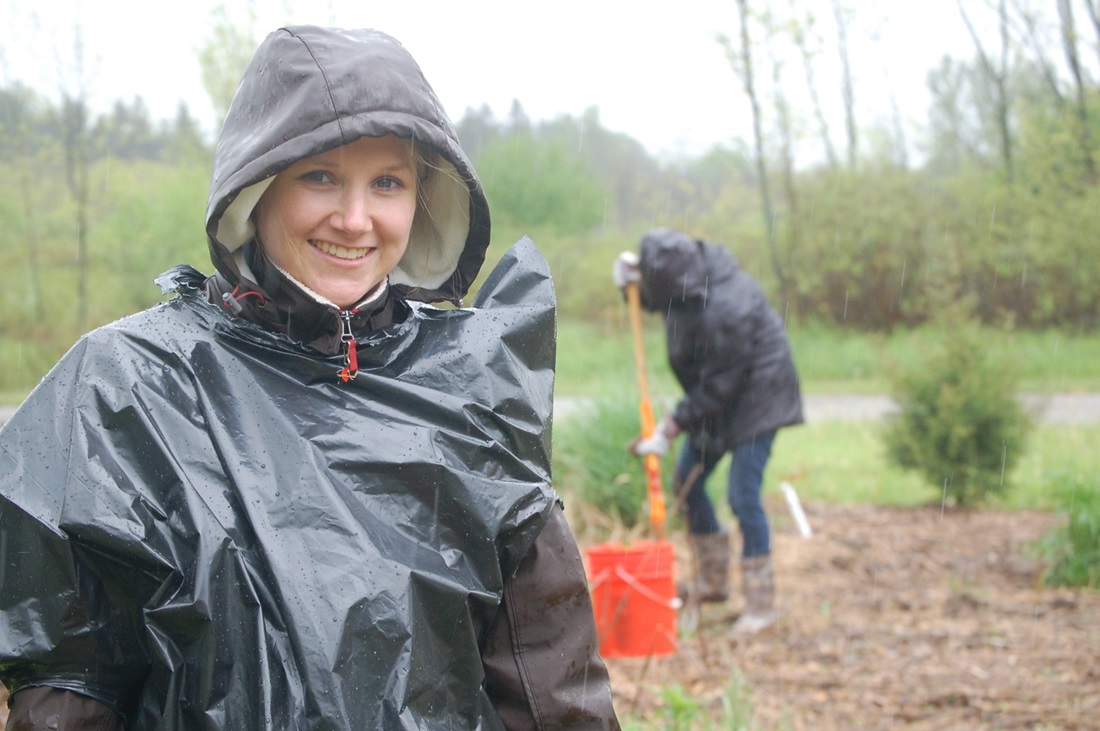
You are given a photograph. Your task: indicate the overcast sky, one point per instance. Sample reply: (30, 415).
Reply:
(654, 70)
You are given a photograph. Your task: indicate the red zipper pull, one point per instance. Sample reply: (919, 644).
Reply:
(351, 357)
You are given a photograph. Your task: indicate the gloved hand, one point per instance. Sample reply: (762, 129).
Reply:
(658, 442)
(625, 269)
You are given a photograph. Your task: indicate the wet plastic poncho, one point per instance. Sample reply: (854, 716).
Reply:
(188, 506)
(201, 526)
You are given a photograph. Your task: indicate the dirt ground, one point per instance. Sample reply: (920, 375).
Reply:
(895, 618)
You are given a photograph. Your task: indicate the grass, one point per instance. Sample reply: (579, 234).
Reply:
(841, 462)
(830, 461)
(682, 710)
(845, 462)
(594, 357)
(24, 362)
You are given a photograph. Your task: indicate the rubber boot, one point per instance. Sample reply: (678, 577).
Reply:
(758, 585)
(712, 554)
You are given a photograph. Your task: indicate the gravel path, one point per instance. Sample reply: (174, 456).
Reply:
(1059, 408)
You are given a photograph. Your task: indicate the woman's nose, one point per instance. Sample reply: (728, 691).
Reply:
(354, 215)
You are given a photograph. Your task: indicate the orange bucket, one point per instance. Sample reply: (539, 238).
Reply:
(634, 598)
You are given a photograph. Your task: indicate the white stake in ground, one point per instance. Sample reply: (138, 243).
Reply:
(796, 509)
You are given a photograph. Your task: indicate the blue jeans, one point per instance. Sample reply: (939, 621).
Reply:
(745, 482)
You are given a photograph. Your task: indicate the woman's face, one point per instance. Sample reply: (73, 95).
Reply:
(339, 222)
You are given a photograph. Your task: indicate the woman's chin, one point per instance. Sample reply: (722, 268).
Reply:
(343, 294)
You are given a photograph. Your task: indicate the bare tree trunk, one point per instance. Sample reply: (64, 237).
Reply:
(790, 190)
(899, 133)
(811, 84)
(225, 52)
(998, 79)
(1092, 7)
(1069, 45)
(846, 87)
(744, 66)
(19, 121)
(74, 121)
(75, 131)
(1046, 68)
(30, 235)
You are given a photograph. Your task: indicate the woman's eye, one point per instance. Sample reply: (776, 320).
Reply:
(318, 176)
(388, 183)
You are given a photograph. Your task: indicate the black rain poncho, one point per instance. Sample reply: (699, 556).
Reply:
(188, 505)
(203, 527)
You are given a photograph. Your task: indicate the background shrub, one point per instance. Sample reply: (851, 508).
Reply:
(959, 422)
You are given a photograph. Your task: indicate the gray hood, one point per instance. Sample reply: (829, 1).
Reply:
(309, 90)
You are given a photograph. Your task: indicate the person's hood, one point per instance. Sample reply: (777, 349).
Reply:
(678, 269)
(309, 90)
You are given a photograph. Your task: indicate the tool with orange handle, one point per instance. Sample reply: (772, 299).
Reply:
(651, 462)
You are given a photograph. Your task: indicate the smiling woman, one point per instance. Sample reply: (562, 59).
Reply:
(338, 223)
(297, 494)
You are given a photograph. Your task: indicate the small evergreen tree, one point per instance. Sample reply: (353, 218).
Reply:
(959, 423)
(1072, 551)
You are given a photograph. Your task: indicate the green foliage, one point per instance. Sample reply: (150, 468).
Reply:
(873, 248)
(541, 183)
(169, 201)
(960, 424)
(1072, 551)
(860, 255)
(1007, 221)
(145, 217)
(679, 710)
(1050, 155)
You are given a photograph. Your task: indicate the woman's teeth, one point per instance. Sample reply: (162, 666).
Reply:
(339, 252)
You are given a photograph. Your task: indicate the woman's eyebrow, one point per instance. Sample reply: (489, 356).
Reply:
(399, 165)
(332, 161)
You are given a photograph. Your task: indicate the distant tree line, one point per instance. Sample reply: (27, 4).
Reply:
(993, 201)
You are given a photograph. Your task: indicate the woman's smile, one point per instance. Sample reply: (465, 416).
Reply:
(340, 252)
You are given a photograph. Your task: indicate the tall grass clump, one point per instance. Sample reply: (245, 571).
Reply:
(1072, 552)
(959, 422)
(592, 461)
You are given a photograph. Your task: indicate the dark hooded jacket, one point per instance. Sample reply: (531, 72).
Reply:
(206, 527)
(726, 344)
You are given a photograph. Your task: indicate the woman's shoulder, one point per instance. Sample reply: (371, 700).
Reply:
(163, 333)
(178, 319)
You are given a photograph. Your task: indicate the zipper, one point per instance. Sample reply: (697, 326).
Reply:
(351, 357)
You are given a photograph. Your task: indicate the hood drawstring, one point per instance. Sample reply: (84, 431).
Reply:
(232, 300)
(351, 357)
